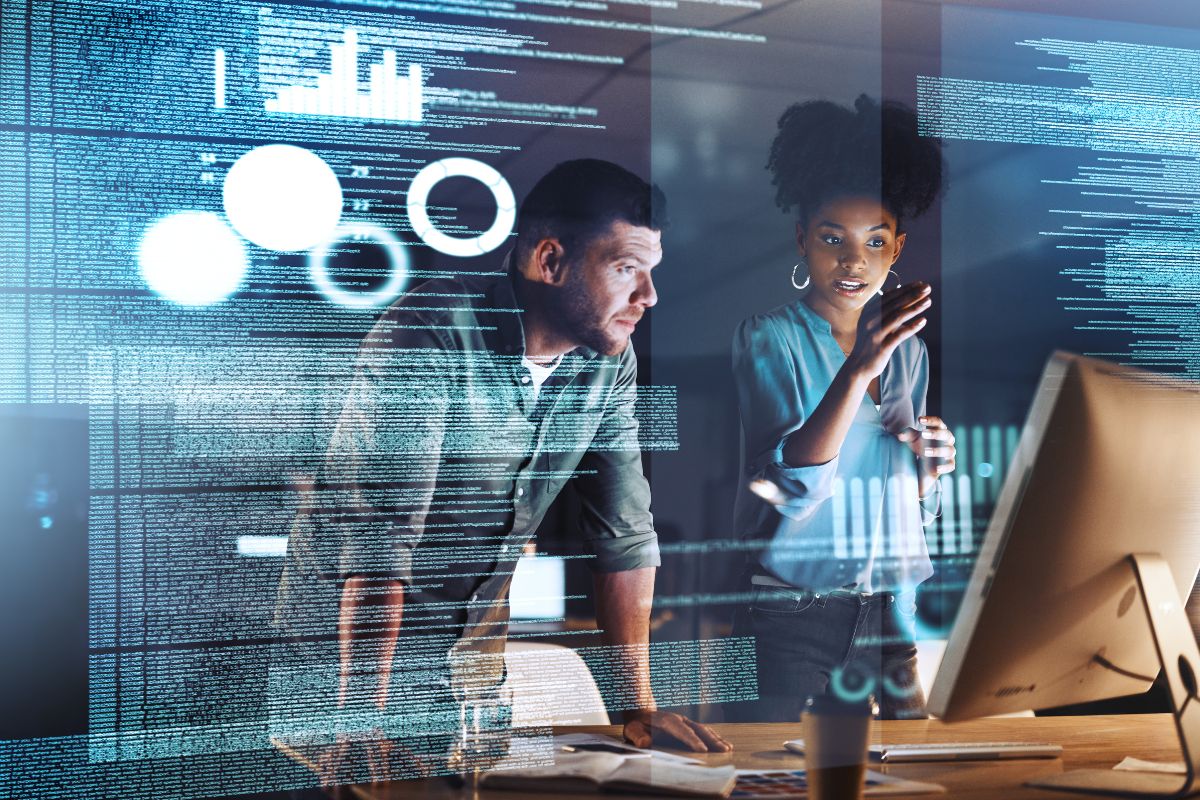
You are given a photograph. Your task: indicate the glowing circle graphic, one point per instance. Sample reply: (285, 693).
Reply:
(283, 197)
(850, 693)
(489, 240)
(318, 266)
(192, 258)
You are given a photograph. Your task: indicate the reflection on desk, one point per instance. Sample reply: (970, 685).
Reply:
(1088, 742)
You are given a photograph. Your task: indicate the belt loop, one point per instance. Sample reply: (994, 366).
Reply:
(819, 600)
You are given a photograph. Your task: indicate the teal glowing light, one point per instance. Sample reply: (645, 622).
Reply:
(318, 259)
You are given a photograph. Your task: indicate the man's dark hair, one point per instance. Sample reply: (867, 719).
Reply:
(824, 151)
(577, 200)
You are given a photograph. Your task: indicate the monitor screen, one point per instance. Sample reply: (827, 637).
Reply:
(1054, 612)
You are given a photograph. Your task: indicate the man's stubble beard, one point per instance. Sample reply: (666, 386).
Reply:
(580, 321)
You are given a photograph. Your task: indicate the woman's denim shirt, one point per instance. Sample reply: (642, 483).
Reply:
(855, 521)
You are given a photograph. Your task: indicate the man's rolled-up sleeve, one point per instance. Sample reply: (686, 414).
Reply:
(765, 374)
(617, 527)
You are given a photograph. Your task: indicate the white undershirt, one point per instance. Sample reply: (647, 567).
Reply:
(538, 373)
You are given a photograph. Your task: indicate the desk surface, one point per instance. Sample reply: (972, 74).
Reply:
(1088, 742)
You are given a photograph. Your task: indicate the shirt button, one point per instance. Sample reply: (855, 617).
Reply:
(521, 492)
(524, 379)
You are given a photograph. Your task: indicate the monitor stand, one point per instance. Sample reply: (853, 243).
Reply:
(1177, 653)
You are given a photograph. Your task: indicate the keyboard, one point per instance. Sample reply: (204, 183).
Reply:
(951, 751)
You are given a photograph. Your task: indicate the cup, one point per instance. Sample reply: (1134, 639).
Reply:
(836, 736)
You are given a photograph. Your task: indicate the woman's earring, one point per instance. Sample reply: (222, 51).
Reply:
(891, 272)
(807, 278)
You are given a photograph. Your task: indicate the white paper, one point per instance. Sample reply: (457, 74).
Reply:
(1131, 764)
(574, 739)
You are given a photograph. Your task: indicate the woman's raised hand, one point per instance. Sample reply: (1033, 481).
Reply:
(885, 323)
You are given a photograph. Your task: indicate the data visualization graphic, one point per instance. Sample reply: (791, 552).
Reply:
(389, 95)
(206, 206)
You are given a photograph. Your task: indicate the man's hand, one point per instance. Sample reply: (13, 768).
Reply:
(339, 764)
(646, 728)
(934, 448)
(623, 601)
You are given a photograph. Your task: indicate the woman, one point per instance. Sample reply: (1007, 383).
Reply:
(841, 463)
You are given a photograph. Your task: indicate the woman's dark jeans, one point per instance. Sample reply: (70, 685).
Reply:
(839, 643)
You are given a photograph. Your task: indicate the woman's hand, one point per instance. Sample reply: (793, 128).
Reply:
(884, 324)
(934, 448)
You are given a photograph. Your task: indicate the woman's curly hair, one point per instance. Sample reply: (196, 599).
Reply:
(824, 151)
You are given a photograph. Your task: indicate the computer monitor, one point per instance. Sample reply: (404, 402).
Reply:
(1079, 588)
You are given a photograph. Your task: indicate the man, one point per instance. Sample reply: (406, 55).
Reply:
(475, 400)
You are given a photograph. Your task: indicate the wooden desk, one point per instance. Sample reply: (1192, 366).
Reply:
(1096, 742)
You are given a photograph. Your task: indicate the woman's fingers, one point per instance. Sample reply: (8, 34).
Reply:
(878, 311)
(903, 296)
(937, 442)
(908, 301)
(887, 321)
(904, 331)
(900, 316)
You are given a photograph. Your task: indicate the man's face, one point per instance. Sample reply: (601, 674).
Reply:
(608, 287)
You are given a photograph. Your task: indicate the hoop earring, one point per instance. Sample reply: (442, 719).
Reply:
(807, 278)
(890, 272)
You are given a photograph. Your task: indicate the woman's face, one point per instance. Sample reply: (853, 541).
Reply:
(849, 243)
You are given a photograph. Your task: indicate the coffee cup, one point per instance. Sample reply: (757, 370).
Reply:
(836, 737)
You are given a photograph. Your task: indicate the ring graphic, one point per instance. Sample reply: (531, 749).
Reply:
(909, 689)
(432, 174)
(851, 695)
(318, 262)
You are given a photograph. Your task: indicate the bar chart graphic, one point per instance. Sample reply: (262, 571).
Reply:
(388, 96)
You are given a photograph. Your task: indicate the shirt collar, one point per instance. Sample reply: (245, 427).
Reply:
(812, 318)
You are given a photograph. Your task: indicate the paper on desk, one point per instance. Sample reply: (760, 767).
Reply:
(633, 770)
(577, 739)
(1131, 764)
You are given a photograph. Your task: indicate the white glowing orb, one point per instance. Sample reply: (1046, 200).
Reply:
(282, 197)
(192, 258)
(433, 174)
